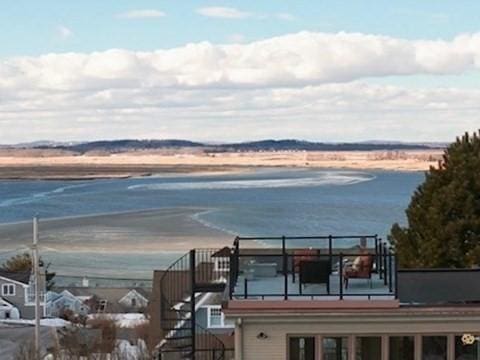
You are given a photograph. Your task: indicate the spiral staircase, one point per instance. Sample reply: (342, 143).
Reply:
(183, 286)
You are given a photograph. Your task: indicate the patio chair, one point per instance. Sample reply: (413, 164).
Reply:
(363, 270)
(314, 272)
(302, 255)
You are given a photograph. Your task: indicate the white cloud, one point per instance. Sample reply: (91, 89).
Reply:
(233, 13)
(64, 32)
(305, 85)
(223, 12)
(292, 60)
(142, 14)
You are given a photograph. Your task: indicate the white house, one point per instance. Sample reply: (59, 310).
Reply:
(134, 300)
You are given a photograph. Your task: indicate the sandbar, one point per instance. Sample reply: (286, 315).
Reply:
(172, 229)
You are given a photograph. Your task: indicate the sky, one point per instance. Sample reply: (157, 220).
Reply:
(239, 70)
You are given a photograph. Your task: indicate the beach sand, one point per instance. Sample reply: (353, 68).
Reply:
(139, 232)
(51, 165)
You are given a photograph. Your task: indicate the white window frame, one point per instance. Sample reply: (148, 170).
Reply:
(209, 317)
(29, 292)
(220, 262)
(9, 286)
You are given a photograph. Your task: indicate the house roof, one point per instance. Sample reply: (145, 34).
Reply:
(5, 303)
(54, 296)
(223, 252)
(17, 276)
(137, 294)
(112, 295)
(145, 293)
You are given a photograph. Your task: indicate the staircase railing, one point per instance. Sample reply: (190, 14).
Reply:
(182, 285)
(208, 346)
(174, 287)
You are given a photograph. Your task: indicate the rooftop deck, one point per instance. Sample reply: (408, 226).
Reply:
(273, 288)
(325, 272)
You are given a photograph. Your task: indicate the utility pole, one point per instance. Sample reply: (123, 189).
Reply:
(37, 285)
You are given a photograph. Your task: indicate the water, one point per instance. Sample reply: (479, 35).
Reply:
(262, 203)
(291, 202)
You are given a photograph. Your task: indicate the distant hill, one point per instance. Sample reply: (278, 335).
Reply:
(129, 145)
(115, 146)
(42, 144)
(276, 145)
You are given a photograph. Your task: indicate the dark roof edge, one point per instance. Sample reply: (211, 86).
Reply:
(440, 270)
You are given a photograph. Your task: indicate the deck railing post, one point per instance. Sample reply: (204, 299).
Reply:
(232, 276)
(340, 275)
(380, 259)
(245, 288)
(390, 271)
(376, 252)
(285, 267)
(192, 301)
(330, 245)
(237, 258)
(385, 267)
(395, 265)
(330, 252)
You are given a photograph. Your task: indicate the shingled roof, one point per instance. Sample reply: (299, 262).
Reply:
(18, 276)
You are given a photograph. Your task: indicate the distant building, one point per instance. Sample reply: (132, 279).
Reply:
(109, 299)
(59, 303)
(17, 294)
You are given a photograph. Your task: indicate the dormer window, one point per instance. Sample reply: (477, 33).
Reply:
(222, 260)
(8, 290)
(215, 317)
(222, 264)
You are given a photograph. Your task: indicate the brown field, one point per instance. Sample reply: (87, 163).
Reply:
(54, 164)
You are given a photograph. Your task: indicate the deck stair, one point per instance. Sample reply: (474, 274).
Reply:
(184, 285)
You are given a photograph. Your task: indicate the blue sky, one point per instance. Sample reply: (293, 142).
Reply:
(31, 27)
(239, 70)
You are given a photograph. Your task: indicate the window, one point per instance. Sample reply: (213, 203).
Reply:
(402, 348)
(133, 302)
(102, 305)
(215, 317)
(434, 348)
(335, 348)
(31, 294)
(301, 348)
(222, 264)
(368, 348)
(466, 352)
(8, 289)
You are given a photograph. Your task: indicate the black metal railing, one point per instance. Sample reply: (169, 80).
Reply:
(182, 285)
(290, 266)
(208, 346)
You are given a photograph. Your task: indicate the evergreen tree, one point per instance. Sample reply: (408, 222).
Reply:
(24, 262)
(444, 214)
